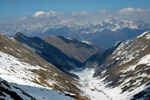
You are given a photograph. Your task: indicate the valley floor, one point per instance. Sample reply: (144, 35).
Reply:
(95, 89)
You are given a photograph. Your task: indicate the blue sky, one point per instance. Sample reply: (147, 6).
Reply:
(20, 8)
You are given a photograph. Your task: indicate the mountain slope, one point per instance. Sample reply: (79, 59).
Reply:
(128, 66)
(11, 91)
(123, 75)
(18, 64)
(99, 58)
(49, 53)
(72, 47)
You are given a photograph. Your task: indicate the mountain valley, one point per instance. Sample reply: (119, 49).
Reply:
(74, 49)
(32, 68)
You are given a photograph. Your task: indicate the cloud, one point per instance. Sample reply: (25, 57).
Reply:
(38, 13)
(132, 10)
(83, 13)
(127, 10)
(79, 13)
(51, 13)
(125, 13)
(23, 18)
(139, 10)
(103, 11)
(44, 14)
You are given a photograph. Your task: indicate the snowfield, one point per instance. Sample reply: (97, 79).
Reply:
(18, 74)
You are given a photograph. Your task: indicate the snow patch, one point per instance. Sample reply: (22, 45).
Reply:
(89, 43)
(143, 60)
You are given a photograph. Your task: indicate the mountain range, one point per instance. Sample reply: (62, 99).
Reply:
(102, 33)
(56, 67)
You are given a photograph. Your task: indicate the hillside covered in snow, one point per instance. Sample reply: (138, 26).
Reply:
(29, 76)
(123, 75)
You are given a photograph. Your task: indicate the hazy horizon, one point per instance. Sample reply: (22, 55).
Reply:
(11, 9)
